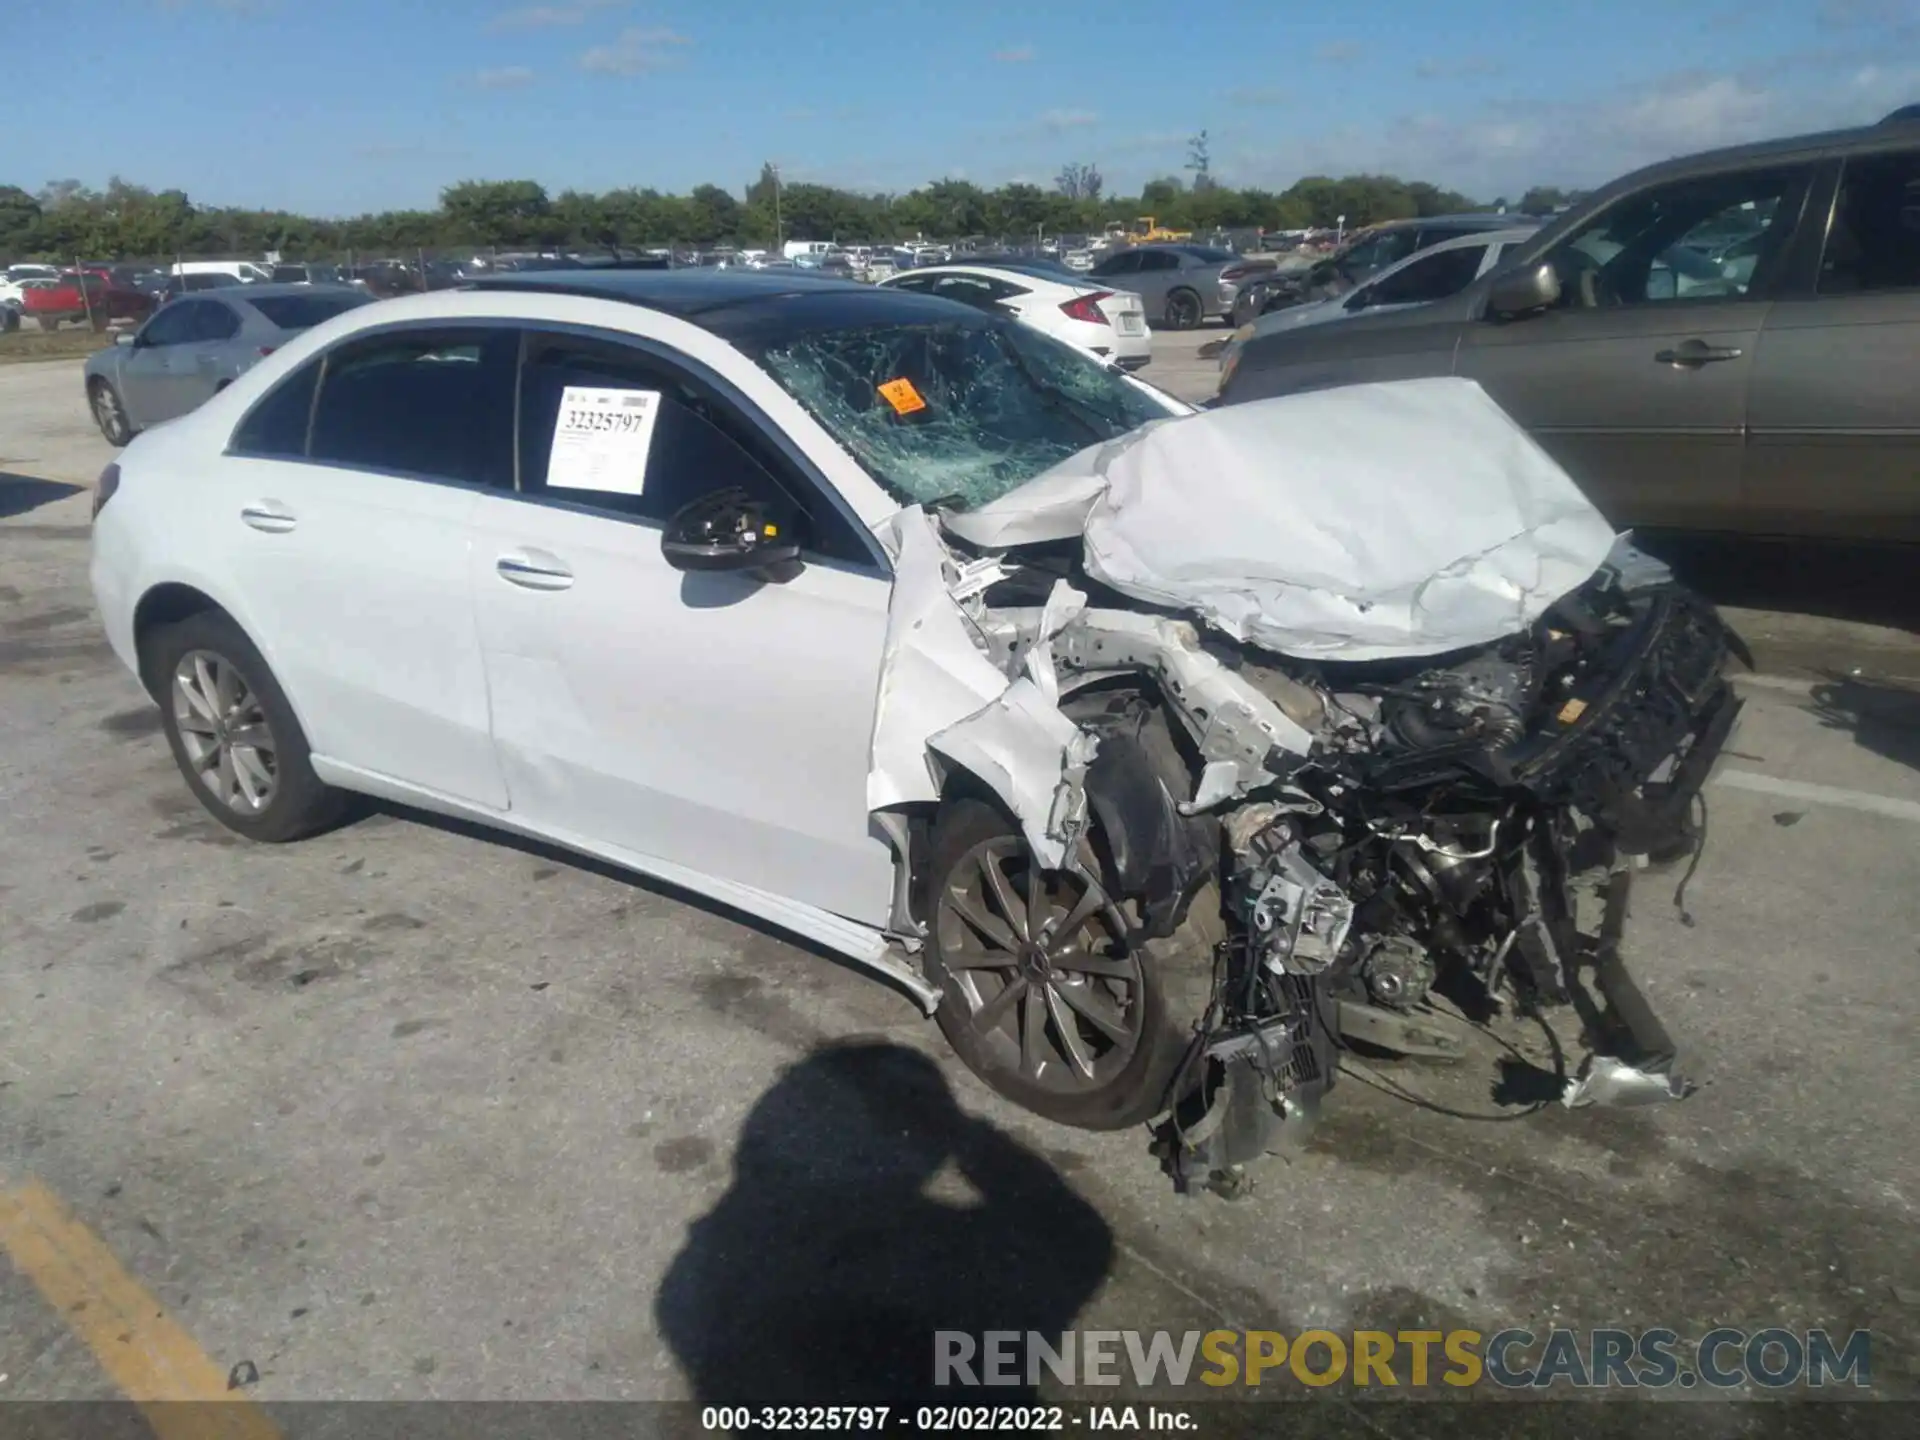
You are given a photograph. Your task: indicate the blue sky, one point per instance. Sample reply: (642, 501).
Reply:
(340, 106)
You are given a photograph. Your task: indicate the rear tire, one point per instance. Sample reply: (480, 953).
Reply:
(232, 732)
(1131, 1012)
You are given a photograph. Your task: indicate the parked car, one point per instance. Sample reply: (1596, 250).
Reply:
(172, 287)
(83, 297)
(195, 347)
(1423, 277)
(1361, 258)
(1108, 323)
(1775, 399)
(248, 272)
(1179, 285)
(307, 273)
(801, 638)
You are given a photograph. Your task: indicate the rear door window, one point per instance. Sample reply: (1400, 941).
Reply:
(276, 427)
(975, 290)
(303, 312)
(433, 404)
(1874, 240)
(215, 322)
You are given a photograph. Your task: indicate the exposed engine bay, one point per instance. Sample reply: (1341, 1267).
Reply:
(1377, 827)
(1374, 833)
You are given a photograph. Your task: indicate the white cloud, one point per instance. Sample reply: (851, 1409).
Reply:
(1503, 147)
(506, 77)
(1014, 55)
(1340, 52)
(546, 17)
(1053, 122)
(637, 50)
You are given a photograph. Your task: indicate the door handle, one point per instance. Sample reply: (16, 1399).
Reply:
(268, 515)
(1692, 354)
(533, 570)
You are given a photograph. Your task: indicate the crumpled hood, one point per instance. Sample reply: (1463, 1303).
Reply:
(1369, 522)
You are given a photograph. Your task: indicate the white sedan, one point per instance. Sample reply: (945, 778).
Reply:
(767, 587)
(1111, 324)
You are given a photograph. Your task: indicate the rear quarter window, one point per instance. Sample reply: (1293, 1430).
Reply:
(302, 312)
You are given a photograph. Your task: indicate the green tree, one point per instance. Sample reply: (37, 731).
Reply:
(19, 220)
(498, 212)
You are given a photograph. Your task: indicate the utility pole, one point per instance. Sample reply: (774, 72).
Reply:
(778, 229)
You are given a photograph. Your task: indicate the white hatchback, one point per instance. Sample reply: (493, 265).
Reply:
(1111, 324)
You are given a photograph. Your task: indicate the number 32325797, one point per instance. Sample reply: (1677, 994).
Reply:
(620, 422)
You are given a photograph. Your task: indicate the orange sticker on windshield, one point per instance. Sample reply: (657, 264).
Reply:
(901, 395)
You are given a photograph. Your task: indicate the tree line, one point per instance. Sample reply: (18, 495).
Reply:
(64, 219)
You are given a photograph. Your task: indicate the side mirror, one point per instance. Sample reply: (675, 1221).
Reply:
(127, 337)
(729, 530)
(1521, 292)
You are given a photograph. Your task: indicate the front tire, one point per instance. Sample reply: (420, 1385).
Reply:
(232, 732)
(1184, 310)
(109, 412)
(1043, 999)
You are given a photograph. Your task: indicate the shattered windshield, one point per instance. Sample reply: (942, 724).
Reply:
(956, 413)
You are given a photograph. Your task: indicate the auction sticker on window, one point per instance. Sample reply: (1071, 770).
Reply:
(601, 439)
(901, 395)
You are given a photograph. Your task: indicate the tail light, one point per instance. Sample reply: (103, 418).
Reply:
(1087, 308)
(104, 487)
(1240, 272)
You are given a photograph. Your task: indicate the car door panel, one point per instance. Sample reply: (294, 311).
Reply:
(713, 721)
(1652, 442)
(151, 379)
(350, 515)
(1835, 443)
(359, 580)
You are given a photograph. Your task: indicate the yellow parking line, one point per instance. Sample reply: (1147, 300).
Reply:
(154, 1362)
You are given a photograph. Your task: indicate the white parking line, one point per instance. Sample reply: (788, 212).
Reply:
(1889, 805)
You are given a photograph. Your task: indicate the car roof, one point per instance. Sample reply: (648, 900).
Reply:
(745, 306)
(1026, 269)
(267, 289)
(1894, 130)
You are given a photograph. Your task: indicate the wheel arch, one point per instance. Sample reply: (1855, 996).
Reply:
(1149, 852)
(167, 602)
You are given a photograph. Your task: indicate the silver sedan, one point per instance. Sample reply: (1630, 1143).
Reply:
(195, 346)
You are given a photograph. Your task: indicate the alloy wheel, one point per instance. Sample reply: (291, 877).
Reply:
(228, 741)
(1039, 961)
(107, 413)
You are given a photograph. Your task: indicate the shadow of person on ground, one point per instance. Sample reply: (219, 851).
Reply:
(1883, 718)
(21, 493)
(848, 1239)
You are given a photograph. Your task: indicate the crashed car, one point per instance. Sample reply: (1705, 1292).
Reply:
(1158, 753)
